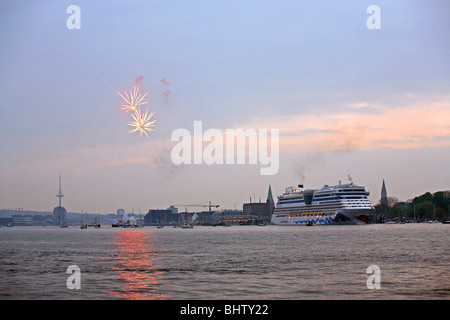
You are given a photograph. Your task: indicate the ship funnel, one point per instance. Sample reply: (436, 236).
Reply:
(308, 196)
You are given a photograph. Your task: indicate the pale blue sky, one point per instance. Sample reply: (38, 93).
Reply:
(229, 63)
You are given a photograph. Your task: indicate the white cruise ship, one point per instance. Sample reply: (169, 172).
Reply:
(340, 204)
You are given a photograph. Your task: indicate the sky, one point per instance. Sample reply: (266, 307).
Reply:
(346, 99)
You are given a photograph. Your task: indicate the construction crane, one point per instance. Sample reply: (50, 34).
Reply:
(198, 205)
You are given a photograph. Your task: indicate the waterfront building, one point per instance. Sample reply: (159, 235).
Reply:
(30, 220)
(260, 210)
(173, 209)
(203, 217)
(59, 215)
(256, 210)
(22, 220)
(111, 217)
(6, 221)
(161, 216)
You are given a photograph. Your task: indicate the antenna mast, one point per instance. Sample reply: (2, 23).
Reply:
(59, 195)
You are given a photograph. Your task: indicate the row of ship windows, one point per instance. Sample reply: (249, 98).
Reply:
(318, 198)
(358, 206)
(301, 215)
(355, 195)
(307, 213)
(355, 202)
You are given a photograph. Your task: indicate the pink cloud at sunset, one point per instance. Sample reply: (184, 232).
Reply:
(406, 127)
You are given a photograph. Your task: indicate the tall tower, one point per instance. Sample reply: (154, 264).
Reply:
(59, 213)
(59, 195)
(384, 199)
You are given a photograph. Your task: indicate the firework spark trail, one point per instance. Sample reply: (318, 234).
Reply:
(164, 80)
(141, 122)
(166, 95)
(132, 100)
(138, 81)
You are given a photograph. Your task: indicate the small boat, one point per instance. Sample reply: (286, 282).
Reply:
(309, 223)
(159, 226)
(119, 223)
(187, 226)
(446, 222)
(122, 224)
(64, 226)
(95, 224)
(82, 225)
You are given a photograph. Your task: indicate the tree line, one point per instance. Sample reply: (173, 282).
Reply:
(426, 206)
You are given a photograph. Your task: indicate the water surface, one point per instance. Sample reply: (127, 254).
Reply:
(239, 262)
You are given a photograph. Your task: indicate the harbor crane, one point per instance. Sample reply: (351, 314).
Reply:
(198, 205)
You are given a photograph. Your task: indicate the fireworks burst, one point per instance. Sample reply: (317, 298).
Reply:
(133, 99)
(142, 122)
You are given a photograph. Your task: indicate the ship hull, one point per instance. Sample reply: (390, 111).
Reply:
(340, 217)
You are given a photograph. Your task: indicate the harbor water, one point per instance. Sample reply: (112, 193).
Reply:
(238, 262)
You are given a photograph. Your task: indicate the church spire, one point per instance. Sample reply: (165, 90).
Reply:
(270, 200)
(383, 199)
(269, 195)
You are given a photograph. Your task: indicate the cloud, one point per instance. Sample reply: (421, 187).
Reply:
(413, 126)
(131, 161)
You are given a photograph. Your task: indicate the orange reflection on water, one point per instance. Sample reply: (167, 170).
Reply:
(136, 265)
